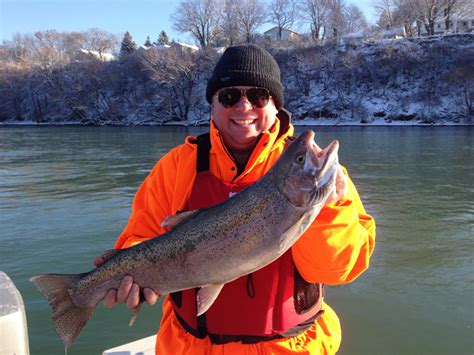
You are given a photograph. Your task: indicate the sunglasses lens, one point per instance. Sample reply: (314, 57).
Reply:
(258, 97)
(228, 97)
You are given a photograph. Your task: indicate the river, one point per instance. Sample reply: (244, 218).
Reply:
(66, 192)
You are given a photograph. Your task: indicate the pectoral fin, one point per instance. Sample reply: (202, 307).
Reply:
(136, 310)
(134, 317)
(172, 221)
(206, 297)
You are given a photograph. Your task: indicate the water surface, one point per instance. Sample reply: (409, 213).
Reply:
(66, 192)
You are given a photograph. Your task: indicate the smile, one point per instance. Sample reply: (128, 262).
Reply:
(243, 122)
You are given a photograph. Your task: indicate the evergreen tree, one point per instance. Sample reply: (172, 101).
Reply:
(128, 45)
(163, 39)
(148, 42)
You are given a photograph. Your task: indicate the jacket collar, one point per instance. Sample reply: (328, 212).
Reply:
(270, 140)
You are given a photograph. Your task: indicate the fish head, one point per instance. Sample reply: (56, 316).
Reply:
(306, 174)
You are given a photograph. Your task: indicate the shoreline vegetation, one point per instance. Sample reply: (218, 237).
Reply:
(426, 81)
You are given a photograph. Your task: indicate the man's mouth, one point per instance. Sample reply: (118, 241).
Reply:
(243, 122)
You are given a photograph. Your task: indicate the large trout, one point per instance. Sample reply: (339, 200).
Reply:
(213, 246)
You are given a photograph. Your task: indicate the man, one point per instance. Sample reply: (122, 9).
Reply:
(249, 130)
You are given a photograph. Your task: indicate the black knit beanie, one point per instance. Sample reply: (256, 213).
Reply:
(246, 65)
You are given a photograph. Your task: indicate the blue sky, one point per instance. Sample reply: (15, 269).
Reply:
(139, 17)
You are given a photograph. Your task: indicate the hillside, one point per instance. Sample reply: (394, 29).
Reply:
(414, 81)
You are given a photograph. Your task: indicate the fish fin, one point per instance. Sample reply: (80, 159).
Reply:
(68, 318)
(206, 296)
(174, 220)
(134, 317)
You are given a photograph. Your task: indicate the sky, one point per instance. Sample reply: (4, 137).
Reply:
(139, 17)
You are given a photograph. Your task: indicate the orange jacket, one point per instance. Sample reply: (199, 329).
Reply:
(335, 249)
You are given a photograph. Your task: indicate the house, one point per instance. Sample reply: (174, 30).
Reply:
(459, 22)
(86, 54)
(142, 49)
(184, 46)
(354, 38)
(286, 34)
(394, 33)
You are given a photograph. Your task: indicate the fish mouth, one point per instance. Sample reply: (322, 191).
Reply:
(327, 163)
(316, 178)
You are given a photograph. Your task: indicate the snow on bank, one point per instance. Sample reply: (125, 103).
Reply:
(306, 122)
(379, 122)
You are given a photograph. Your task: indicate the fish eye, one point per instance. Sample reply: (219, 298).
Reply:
(300, 159)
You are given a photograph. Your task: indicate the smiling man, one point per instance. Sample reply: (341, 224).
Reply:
(279, 309)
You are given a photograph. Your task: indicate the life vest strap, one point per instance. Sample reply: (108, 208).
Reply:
(219, 339)
(203, 142)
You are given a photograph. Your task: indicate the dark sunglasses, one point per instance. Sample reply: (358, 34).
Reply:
(258, 97)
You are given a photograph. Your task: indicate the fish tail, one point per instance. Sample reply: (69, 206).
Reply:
(68, 318)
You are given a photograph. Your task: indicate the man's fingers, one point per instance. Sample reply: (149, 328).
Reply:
(150, 296)
(340, 187)
(341, 184)
(110, 298)
(124, 289)
(133, 297)
(129, 294)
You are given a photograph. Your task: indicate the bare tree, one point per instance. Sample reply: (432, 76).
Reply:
(200, 18)
(250, 15)
(430, 11)
(384, 9)
(21, 48)
(355, 19)
(50, 48)
(283, 13)
(336, 19)
(100, 41)
(315, 12)
(178, 73)
(73, 42)
(405, 15)
(462, 75)
(229, 26)
(456, 8)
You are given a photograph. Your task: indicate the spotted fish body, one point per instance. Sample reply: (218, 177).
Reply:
(213, 246)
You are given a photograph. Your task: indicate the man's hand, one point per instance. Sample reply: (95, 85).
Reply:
(340, 188)
(128, 292)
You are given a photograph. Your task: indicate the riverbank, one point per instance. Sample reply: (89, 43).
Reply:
(305, 122)
(427, 81)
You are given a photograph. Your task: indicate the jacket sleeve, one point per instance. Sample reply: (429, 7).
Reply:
(337, 247)
(152, 203)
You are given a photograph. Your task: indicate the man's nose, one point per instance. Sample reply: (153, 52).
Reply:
(243, 104)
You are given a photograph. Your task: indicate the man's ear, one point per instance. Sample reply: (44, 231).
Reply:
(273, 102)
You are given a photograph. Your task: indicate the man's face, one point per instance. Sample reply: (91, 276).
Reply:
(241, 124)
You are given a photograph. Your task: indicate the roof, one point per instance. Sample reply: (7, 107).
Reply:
(185, 45)
(273, 29)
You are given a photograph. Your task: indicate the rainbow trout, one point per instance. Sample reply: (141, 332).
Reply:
(212, 246)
